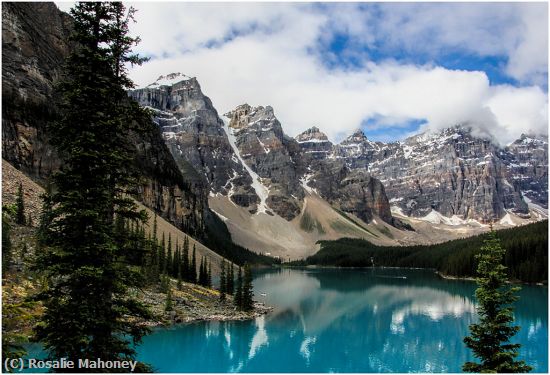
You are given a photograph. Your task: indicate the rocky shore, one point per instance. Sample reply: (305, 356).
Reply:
(194, 303)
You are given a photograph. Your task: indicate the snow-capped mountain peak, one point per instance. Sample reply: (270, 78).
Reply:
(169, 80)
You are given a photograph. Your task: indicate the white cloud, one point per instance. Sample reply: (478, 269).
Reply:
(266, 55)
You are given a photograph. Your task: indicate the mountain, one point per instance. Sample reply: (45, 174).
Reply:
(274, 193)
(270, 154)
(450, 178)
(450, 172)
(35, 42)
(195, 136)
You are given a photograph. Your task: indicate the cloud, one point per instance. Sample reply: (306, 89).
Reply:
(269, 54)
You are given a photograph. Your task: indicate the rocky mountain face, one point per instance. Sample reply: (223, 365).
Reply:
(251, 160)
(34, 46)
(35, 42)
(337, 173)
(195, 136)
(526, 162)
(452, 172)
(270, 154)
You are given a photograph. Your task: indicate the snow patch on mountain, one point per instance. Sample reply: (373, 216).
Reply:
(304, 182)
(261, 190)
(168, 80)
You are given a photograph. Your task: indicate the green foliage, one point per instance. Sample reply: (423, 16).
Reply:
(490, 338)
(526, 258)
(230, 280)
(14, 315)
(247, 293)
(209, 276)
(203, 272)
(168, 303)
(20, 204)
(6, 242)
(193, 269)
(223, 281)
(89, 312)
(238, 300)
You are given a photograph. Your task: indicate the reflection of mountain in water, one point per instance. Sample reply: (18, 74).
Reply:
(346, 321)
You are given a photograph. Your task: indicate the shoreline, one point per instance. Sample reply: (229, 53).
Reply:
(195, 303)
(470, 278)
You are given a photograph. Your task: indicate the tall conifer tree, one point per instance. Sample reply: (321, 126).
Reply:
(20, 206)
(230, 279)
(490, 338)
(87, 305)
(238, 300)
(223, 284)
(247, 293)
(193, 270)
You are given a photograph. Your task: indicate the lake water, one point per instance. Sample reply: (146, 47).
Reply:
(334, 320)
(338, 320)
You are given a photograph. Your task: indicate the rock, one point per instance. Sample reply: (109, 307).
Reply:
(195, 136)
(35, 43)
(271, 154)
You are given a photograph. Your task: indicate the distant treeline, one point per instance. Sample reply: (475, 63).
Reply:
(526, 256)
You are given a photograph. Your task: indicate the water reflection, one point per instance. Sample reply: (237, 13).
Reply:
(346, 321)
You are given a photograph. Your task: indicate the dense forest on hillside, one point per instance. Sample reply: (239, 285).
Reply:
(526, 255)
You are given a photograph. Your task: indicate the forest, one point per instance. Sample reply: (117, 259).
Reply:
(526, 256)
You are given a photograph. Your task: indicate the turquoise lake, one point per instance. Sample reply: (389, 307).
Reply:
(340, 320)
(360, 320)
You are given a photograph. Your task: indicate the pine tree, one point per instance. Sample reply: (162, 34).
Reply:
(169, 256)
(89, 313)
(176, 262)
(155, 228)
(193, 271)
(6, 243)
(162, 255)
(20, 205)
(209, 276)
(247, 293)
(238, 300)
(490, 337)
(230, 280)
(185, 266)
(223, 285)
(168, 303)
(46, 217)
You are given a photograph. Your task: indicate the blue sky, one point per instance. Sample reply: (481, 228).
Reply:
(389, 68)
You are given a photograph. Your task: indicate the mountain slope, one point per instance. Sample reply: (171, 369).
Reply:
(34, 45)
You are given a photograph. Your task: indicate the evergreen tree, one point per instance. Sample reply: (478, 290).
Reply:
(155, 228)
(169, 256)
(168, 303)
(46, 217)
(247, 293)
(88, 311)
(490, 337)
(223, 285)
(162, 255)
(185, 266)
(20, 205)
(193, 271)
(209, 276)
(230, 280)
(238, 300)
(6, 243)
(176, 262)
